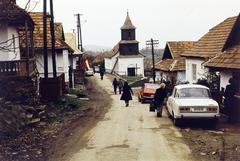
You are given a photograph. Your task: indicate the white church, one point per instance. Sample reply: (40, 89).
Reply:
(125, 59)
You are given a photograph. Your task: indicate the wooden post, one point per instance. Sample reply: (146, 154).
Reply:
(27, 47)
(45, 50)
(153, 62)
(152, 43)
(53, 40)
(32, 44)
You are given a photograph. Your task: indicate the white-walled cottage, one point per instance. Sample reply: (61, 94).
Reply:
(125, 58)
(16, 27)
(227, 62)
(63, 50)
(206, 48)
(71, 40)
(172, 66)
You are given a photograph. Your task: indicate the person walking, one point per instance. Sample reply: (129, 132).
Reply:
(101, 72)
(159, 97)
(120, 86)
(115, 85)
(127, 94)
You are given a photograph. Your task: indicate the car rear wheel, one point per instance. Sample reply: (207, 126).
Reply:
(139, 99)
(176, 121)
(213, 122)
(142, 100)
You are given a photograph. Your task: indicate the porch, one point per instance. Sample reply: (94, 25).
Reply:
(22, 67)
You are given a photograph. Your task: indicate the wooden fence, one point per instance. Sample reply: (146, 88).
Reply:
(17, 68)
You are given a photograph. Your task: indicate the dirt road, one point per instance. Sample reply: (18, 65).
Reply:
(132, 134)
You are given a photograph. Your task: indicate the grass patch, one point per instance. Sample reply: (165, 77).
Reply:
(131, 79)
(69, 103)
(78, 93)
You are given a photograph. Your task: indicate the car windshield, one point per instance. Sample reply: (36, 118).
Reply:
(193, 93)
(152, 86)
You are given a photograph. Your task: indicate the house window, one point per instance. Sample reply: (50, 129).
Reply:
(194, 72)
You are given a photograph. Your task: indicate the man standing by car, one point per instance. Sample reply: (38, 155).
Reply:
(231, 90)
(159, 97)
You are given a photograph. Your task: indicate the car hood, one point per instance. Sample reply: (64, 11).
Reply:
(196, 102)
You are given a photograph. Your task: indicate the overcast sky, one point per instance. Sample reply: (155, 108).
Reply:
(164, 20)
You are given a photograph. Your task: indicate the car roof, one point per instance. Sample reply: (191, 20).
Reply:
(190, 86)
(151, 84)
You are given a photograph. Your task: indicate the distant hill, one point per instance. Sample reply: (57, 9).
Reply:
(96, 48)
(148, 53)
(148, 59)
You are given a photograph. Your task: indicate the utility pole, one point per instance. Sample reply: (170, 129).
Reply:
(53, 40)
(79, 32)
(152, 43)
(45, 51)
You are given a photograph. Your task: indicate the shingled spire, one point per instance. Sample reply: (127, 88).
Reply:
(128, 23)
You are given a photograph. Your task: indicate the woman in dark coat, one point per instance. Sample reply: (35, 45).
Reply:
(127, 94)
(159, 97)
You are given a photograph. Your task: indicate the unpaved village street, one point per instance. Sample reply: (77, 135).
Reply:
(131, 134)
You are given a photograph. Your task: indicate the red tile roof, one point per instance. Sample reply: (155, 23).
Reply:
(230, 59)
(177, 63)
(38, 33)
(213, 42)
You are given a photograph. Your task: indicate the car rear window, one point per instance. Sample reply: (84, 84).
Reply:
(152, 86)
(193, 93)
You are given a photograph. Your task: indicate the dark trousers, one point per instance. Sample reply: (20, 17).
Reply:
(120, 90)
(159, 107)
(115, 89)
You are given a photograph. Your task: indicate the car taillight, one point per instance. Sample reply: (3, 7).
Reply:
(212, 109)
(148, 94)
(184, 109)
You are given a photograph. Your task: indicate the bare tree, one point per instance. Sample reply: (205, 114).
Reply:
(31, 5)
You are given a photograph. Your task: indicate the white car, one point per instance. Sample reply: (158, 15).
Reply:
(192, 101)
(89, 72)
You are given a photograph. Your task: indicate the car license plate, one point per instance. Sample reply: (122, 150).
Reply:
(198, 109)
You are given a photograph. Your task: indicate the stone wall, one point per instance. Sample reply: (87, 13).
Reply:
(19, 101)
(22, 90)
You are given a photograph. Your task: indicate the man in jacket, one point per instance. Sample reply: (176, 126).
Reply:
(159, 97)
